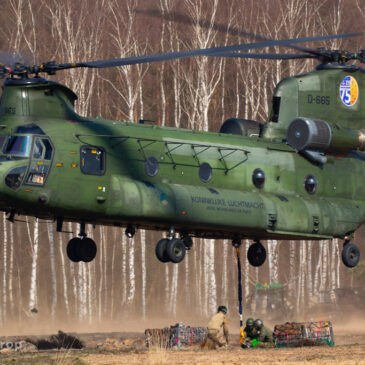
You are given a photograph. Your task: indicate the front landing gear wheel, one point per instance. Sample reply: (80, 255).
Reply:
(161, 250)
(175, 250)
(350, 255)
(86, 250)
(256, 254)
(71, 249)
(81, 249)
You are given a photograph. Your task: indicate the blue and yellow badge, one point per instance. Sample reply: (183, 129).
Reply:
(349, 91)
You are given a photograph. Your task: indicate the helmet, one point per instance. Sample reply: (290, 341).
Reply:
(222, 308)
(250, 322)
(258, 323)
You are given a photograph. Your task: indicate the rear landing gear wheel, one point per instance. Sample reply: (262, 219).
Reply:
(175, 250)
(161, 250)
(350, 254)
(256, 254)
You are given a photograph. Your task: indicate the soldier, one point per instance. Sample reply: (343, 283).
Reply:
(218, 321)
(250, 330)
(264, 334)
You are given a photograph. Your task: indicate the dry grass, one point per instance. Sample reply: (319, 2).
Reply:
(157, 356)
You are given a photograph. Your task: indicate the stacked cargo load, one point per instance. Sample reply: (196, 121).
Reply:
(292, 334)
(175, 337)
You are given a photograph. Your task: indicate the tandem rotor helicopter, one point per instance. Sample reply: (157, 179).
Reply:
(298, 176)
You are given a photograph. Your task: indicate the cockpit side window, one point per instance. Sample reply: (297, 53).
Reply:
(42, 149)
(92, 160)
(2, 140)
(18, 145)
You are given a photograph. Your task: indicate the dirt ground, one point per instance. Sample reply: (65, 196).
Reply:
(129, 348)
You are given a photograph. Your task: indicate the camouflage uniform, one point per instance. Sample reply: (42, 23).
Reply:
(250, 333)
(265, 335)
(216, 322)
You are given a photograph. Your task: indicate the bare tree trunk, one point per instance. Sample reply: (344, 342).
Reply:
(187, 282)
(64, 277)
(224, 272)
(11, 271)
(272, 246)
(318, 269)
(5, 270)
(132, 275)
(124, 269)
(173, 291)
(144, 273)
(33, 294)
(53, 270)
(292, 268)
(247, 271)
(309, 271)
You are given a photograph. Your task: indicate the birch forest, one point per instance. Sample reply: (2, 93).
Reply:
(39, 285)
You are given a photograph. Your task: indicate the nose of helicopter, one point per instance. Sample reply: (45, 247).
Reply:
(11, 176)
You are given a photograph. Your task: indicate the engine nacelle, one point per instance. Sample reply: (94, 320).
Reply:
(305, 134)
(242, 127)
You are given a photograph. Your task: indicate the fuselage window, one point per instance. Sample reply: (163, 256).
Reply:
(151, 166)
(18, 145)
(310, 184)
(28, 129)
(14, 178)
(205, 172)
(258, 178)
(92, 160)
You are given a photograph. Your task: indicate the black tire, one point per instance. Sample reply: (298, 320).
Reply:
(350, 255)
(161, 250)
(86, 250)
(256, 254)
(175, 250)
(71, 249)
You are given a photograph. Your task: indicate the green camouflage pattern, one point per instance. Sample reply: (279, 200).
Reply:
(227, 205)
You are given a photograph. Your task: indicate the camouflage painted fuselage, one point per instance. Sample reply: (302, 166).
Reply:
(227, 205)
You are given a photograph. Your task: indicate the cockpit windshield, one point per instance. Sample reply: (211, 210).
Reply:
(18, 146)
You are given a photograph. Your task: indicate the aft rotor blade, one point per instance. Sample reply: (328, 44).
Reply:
(199, 52)
(184, 19)
(266, 56)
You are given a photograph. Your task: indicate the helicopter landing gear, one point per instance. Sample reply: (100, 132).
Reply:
(256, 254)
(81, 249)
(350, 254)
(173, 249)
(236, 242)
(130, 231)
(187, 241)
(161, 250)
(170, 250)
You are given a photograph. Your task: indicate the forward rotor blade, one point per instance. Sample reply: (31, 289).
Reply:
(199, 52)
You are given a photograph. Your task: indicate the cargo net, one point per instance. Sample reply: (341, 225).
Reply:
(175, 337)
(304, 334)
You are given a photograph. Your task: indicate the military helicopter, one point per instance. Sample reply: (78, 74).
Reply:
(298, 176)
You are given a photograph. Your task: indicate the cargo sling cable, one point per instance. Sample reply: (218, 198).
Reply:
(242, 333)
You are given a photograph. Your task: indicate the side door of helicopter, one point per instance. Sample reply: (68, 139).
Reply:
(40, 163)
(82, 181)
